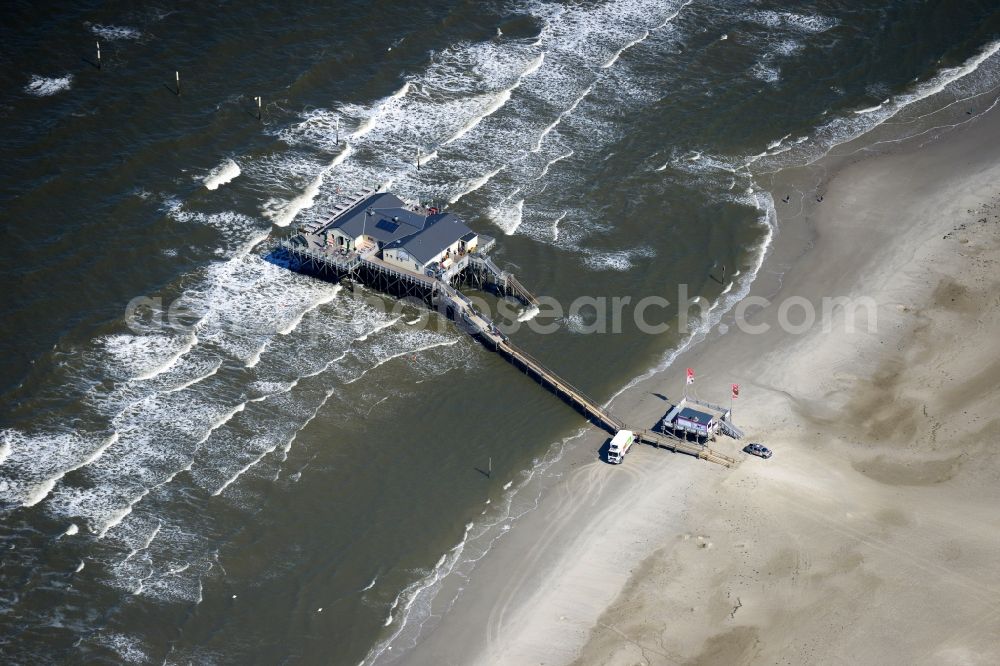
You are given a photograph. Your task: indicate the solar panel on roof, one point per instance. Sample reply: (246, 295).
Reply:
(387, 225)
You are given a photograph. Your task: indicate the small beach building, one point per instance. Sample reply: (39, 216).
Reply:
(696, 422)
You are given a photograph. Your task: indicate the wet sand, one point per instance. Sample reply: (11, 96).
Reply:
(871, 535)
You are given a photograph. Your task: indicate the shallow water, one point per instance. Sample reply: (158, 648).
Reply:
(287, 475)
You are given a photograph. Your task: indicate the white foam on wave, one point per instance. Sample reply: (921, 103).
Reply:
(42, 490)
(71, 530)
(41, 86)
(843, 129)
(441, 568)
(670, 17)
(286, 448)
(171, 361)
(283, 214)
(466, 84)
(555, 226)
(222, 174)
(163, 428)
(4, 446)
(369, 123)
(765, 72)
(113, 33)
(508, 217)
(474, 184)
(555, 123)
(222, 420)
(787, 47)
(378, 329)
(195, 380)
(242, 230)
(245, 469)
(255, 357)
(528, 314)
(777, 142)
(409, 352)
(807, 23)
(552, 162)
(613, 59)
(322, 300)
(113, 517)
(128, 648)
(499, 100)
(609, 261)
(146, 543)
(492, 107)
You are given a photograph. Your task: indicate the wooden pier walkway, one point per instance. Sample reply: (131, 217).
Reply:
(484, 329)
(437, 292)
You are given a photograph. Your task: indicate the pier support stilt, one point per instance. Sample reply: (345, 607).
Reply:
(177, 78)
(98, 55)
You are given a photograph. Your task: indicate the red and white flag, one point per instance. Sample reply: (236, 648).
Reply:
(690, 376)
(736, 391)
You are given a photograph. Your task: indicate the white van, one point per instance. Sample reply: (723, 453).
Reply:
(620, 444)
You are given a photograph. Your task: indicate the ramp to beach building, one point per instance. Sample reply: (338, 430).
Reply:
(664, 441)
(560, 387)
(728, 428)
(599, 414)
(480, 326)
(519, 291)
(504, 281)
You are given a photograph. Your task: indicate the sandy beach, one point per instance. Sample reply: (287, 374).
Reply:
(871, 535)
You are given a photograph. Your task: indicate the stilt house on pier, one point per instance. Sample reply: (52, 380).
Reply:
(699, 420)
(409, 237)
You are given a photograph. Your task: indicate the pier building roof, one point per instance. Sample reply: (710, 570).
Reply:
(440, 231)
(384, 217)
(695, 416)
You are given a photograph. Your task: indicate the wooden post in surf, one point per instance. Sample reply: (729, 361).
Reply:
(258, 107)
(489, 470)
(98, 55)
(337, 125)
(177, 77)
(418, 158)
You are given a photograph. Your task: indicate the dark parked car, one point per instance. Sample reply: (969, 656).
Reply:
(758, 450)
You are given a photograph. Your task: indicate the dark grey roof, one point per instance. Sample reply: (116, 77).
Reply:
(695, 415)
(441, 230)
(383, 216)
